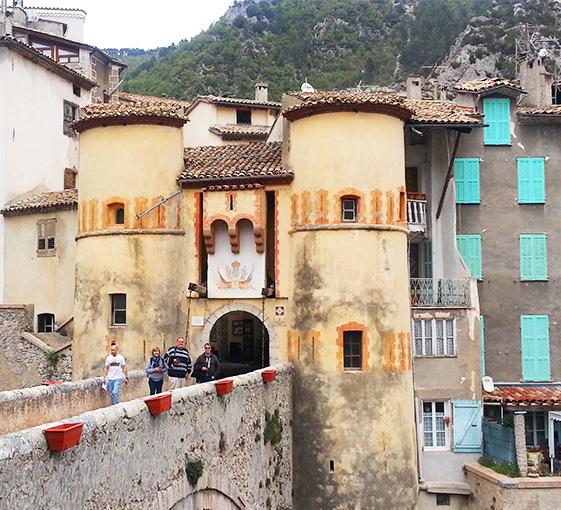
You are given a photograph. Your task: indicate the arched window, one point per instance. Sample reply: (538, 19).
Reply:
(116, 214)
(120, 216)
(45, 323)
(349, 209)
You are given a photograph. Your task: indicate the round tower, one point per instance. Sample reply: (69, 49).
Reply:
(354, 426)
(129, 271)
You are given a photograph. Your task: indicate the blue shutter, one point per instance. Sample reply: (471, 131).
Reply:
(469, 246)
(534, 332)
(533, 257)
(467, 426)
(496, 113)
(482, 341)
(531, 181)
(427, 258)
(466, 177)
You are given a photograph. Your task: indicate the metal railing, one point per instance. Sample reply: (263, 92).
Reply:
(440, 292)
(417, 215)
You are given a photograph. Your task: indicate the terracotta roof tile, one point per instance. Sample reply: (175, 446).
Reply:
(553, 109)
(129, 112)
(442, 112)
(256, 161)
(129, 97)
(234, 101)
(46, 201)
(486, 84)
(525, 394)
(241, 132)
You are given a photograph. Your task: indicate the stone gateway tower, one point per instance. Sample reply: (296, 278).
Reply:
(349, 335)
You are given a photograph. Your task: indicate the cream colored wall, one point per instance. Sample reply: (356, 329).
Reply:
(45, 282)
(137, 164)
(350, 277)
(195, 131)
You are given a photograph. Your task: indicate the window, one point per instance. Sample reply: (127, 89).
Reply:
(65, 55)
(469, 246)
(443, 500)
(76, 90)
(531, 180)
(534, 331)
(466, 178)
(349, 209)
(435, 435)
(116, 214)
(536, 430)
(496, 112)
(118, 309)
(45, 323)
(70, 115)
(46, 246)
(533, 257)
(243, 116)
(120, 216)
(352, 350)
(70, 178)
(434, 337)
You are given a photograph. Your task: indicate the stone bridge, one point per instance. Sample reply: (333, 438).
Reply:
(129, 459)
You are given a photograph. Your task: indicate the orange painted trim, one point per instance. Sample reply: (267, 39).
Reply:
(353, 326)
(397, 351)
(197, 222)
(276, 246)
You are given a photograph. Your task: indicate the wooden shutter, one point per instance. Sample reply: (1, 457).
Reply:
(534, 332)
(496, 113)
(467, 426)
(533, 257)
(531, 181)
(466, 177)
(469, 246)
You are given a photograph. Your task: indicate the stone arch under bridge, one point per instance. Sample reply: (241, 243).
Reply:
(204, 334)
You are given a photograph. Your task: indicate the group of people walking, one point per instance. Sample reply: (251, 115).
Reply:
(176, 363)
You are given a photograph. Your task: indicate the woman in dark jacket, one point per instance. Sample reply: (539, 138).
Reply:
(207, 366)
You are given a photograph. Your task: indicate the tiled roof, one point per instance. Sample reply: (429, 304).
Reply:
(52, 65)
(486, 84)
(525, 394)
(241, 132)
(421, 111)
(235, 101)
(37, 8)
(553, 109)
(46, 201)
(255, 162)
(129, 97)
(113, 113)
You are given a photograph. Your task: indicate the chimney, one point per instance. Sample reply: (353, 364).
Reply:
(536, 81)
(262, 91)
(413, 86)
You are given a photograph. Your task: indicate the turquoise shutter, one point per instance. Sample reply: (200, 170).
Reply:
(482, 341)
(534, 332)
(531, 181)
(496, 113)
(467, 426)
(469, 246)
(533, 256)
(466, 177)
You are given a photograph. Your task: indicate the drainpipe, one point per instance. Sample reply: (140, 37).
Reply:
(520, 442)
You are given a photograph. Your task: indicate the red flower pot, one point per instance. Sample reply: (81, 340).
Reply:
(63, 436)
(159, 404)
(269, 375)
(224, 386)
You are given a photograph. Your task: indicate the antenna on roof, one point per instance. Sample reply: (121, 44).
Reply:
(307, 87)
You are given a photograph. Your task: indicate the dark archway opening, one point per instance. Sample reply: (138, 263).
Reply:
(241, 342)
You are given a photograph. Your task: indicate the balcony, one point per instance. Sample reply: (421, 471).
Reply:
(417, 212)
(440, 293)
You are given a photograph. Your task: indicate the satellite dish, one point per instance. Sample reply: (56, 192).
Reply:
(542, 53)
(488, 384)
(306, 87)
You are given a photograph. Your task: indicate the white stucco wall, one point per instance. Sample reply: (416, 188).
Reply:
(74, 19)
(195, 132)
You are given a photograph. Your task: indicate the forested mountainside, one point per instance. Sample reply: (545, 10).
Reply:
(340, 43)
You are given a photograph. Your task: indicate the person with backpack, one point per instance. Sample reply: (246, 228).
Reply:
(178, 361)
(155, 370)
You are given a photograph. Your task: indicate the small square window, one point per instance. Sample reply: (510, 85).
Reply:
(118, 309)
(46, 245)
(70, 114)
(76, 90)
(243, 116)
(349, 208)
(443, 500)
(352, 350)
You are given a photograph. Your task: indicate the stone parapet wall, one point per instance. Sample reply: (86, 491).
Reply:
(25, 408)
(130, 459)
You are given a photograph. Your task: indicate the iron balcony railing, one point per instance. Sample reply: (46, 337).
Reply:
(417, 215)
(440, 292)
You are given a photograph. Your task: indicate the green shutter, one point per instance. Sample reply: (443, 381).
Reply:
(534, 331)
(467, 426)
(427, 258)
(466, 177)
(531, 181)
(469, 246)
(482, 342)
(496, 113)
(533, 256)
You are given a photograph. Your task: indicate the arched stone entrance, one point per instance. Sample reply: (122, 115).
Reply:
(207, 499)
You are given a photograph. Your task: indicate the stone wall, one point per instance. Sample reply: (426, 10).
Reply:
(493, 491)
(43, 404)
(129, 459)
